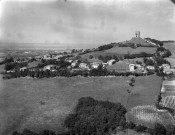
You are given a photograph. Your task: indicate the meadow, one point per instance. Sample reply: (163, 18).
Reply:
(37, 104)
(126, 50)
(171, 47)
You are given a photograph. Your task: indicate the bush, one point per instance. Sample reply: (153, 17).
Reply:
(95, 117)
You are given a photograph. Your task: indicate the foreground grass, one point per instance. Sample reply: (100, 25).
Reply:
(37, 104)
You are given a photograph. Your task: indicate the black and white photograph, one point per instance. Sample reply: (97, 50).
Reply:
(87, 67)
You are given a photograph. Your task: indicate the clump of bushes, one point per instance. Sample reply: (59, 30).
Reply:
(95, 117)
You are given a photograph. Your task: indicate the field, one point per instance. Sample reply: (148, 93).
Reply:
(102, 53)
(126, 50)
(145, 91)
(169, 101)
(171, 47)
(148, 115)
(120, 51)
(43, 103)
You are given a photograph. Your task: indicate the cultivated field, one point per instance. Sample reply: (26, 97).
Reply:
(169, 101)
(43, 103)
(148, 115)
(144, 115)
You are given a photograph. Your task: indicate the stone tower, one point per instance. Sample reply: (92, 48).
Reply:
(137, 33)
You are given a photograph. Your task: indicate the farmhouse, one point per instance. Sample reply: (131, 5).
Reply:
(169, 71)
(95, 65)
(132, 67)
(150, 68)
(136, 67)
(23, 69)
(74, 63)
(57, 57)
(50, 67)
(38, 58)
(111, 62)
(83, 65)
(47, 57)
(165, 67)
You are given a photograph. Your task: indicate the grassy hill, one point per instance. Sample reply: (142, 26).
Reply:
(126, 50)
(122, 48)
(142, 42)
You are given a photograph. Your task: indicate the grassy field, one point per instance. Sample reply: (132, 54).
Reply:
(145, 91)
(102, 53)
(126, 50)
(171, 47)
(37, 104)
(121, 51)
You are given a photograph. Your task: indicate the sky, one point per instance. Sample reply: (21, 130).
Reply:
(85, 21)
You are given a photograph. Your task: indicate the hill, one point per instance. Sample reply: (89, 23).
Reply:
(136, 45)
(142, 42)
(154, 41)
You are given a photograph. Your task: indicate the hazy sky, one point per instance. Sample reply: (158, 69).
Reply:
(85, 21)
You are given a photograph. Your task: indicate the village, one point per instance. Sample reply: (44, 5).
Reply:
(73, 62)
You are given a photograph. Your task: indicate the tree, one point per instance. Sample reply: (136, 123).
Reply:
(92, 117)
(159, 129)
(90, 56)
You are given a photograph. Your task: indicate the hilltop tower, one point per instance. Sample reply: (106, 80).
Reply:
(137, 33)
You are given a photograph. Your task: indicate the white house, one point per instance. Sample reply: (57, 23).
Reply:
(111, 62)
(83, 65)
(151, 68)
(165, 66)
(136, 67)
(132, 67)
(74, 63)
(46, 57)
(23, 68)
(169, 71)
(50, 67)
(95, 65)
(58, 57)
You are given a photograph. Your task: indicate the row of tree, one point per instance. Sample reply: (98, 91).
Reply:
(68, 73)
(139, 55)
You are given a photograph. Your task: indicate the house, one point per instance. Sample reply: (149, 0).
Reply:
(23, 69)
(84, 65)
(132, 67)
(58, 57)
(47, 57)
(150, 68)
(169, 71)
(136, 67)
(165, 66)
(38, 58)
(95, 65)
(111, 62)
(10, 71)
(50, 68)
(104, 65)
(74, 63)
